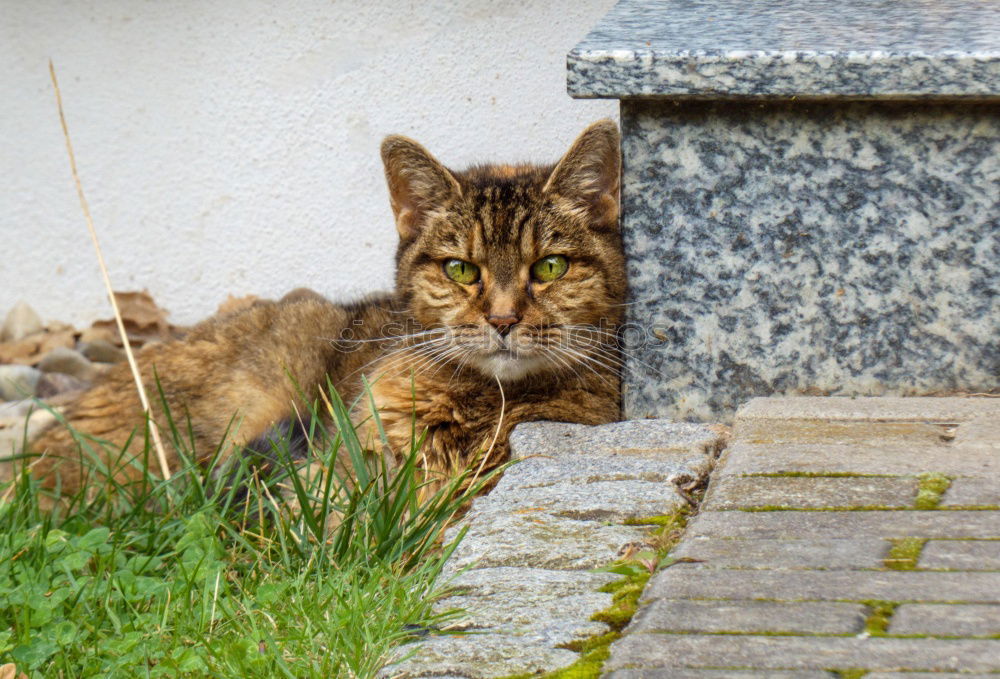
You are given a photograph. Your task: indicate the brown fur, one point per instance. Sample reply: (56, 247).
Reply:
(234, 376)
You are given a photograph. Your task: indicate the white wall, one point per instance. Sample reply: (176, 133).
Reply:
(232, 147)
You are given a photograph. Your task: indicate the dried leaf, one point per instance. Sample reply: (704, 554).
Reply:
(9, 671)
(22, 352)
(144, 321)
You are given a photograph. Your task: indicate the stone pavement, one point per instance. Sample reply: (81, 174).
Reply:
(839, 538)
(532, 543)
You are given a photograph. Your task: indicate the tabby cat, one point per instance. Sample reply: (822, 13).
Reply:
(509, 288)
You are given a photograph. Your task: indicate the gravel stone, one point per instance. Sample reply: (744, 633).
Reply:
(847, 524)
(964, 555)
(970, 492)
(729, 492)
(20, 322)
(784, 554)
(683, 582)
(766, 652)
(101, 351)
(18, 381)
(539, 541)
(673, 615)
(52, 384)
(949, 620)
(862, 458)
(68, 362)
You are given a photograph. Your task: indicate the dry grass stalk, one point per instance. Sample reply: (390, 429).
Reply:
(154, 430)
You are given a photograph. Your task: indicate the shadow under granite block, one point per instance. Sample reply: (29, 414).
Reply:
(808, 248)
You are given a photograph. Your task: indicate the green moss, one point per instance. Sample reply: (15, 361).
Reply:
(626, 592)
(904, 554)
(851, 674)
(932, 487)
(664, 520)
(878, 619)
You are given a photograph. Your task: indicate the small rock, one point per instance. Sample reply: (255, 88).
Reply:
(18, 381)
(102, 351)
(51, 384)
(69, 362)
(21, 321)
(95, 333)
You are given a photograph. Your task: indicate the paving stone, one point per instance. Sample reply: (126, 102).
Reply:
(963, 555)
(786, 554)
(480, 656)
(928, 675)
(614, 501)
(969, 492)
(651, 651)
(847, 524)
(540, 541)
(682, 581)
(736, 492)
(547, 606)
(679, 615)
(629, 437)
(720, 674)
(861, 458)
(950, 620)
(947, 409)
(982, 433)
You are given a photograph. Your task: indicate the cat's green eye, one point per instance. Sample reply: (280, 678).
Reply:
(461, 271)
(549, 268)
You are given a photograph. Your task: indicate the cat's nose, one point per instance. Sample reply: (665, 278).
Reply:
(503, 322)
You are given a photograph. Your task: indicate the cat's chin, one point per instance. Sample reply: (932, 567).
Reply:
(509, 367)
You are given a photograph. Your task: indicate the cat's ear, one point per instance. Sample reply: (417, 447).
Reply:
(418, 183)
(586, 179)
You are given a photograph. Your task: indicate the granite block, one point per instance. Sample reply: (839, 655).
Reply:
(940, 409)
(721, 674)
(853, 48)
(803, 248)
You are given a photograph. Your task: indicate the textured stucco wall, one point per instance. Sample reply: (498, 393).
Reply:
(232, 147)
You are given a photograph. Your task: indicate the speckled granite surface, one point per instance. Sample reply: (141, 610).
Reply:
(846, 248)
(856, 48)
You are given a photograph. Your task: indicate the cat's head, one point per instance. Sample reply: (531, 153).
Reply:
(518, 268)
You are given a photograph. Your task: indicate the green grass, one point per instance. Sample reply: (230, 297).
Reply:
(221, 573)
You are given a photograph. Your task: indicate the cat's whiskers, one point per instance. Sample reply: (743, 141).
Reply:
(619, 357)
(585, 362)
(397, 352)
(405, 357)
